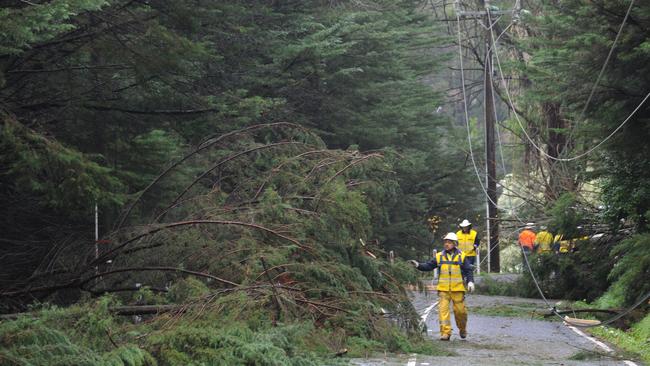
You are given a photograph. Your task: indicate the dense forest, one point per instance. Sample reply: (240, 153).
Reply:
(250, 166)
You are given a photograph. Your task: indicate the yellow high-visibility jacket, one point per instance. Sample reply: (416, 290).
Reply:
(450, 269)
(544, 240)
(466, 242)
(453, 269)
(565, 245)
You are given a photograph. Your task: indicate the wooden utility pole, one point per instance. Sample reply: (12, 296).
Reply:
(490, 156)
(492, 219)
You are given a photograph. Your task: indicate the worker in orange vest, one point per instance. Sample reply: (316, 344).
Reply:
(527, 238)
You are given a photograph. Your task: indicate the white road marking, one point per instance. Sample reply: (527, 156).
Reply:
(599, 344)
(592, 339)
(425, 315)
(413, 360)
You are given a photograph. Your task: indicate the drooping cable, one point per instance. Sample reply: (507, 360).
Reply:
(614, 318)
(511, 103)
(609, 55)
(466, 115)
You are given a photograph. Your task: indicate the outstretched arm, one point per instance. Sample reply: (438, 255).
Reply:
(428, 266)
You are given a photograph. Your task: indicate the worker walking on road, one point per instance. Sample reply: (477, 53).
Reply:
(455, 270)
(468, 241)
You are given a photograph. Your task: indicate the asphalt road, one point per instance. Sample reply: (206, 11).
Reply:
(515, 339)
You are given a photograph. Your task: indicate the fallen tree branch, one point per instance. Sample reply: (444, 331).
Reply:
(108, 254)
(224, 161)
(163, 269)
(211, 141)
(146, 309)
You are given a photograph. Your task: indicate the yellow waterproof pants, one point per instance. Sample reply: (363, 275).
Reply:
(460, 313)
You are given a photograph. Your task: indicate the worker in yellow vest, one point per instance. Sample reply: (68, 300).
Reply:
(468, 241)
(454, 272)
(561, 245)
(543, 241)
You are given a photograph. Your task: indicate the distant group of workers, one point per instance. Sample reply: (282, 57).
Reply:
(543, 242)
(456, 265)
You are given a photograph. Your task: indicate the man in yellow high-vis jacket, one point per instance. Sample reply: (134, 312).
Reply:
(543, 241)
(454, 270)
(468, 241)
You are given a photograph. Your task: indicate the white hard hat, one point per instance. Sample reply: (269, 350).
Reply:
(465, 223)
(451, 236)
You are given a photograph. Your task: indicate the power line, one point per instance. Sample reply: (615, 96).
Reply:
(552, 308)
(511, 104)
(569, 322)
(469, 133)
(602, 69)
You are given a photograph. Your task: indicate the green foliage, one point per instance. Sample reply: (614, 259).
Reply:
(134, 98)
(48, 341)
(186, 289)
(624, 188)
(633, 341)
(62, 178)
(233, 344)
(631, 270)
(575, 276)
(24, 26)
(565, 216)
(569, 46)
(206, 335)
(491, 286)
(112, 92)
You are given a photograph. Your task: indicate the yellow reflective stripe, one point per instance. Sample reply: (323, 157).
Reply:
(447, 278)
(454, 288)
(453, 274)
(455, 269)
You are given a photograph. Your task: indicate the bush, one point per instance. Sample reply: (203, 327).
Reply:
(29, 341)
(580, 275)
(631, 271)
(489, 286)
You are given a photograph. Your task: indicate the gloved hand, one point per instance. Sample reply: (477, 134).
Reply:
(414, 263)
(470, 286)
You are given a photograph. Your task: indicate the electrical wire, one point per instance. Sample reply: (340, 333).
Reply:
(614, 318)
(511, 104)
(539, 289)
(609, 55)
(466, 114)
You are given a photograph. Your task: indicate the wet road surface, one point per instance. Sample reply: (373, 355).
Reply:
(516, 339)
